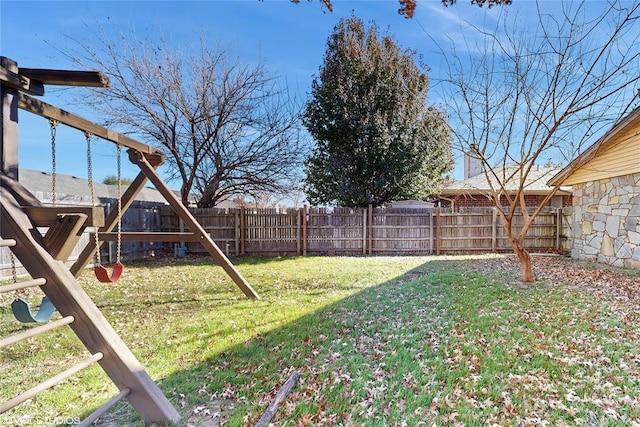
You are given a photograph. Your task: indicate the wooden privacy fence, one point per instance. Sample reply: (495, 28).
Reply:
(338, 231)
(141, 216)
(382, 231)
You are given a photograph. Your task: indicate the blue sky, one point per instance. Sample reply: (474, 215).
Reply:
(291, 39)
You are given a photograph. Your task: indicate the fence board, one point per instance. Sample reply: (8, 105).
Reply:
(221, 226)
(402, 231)
(339, 231)
(272, 231)
(343, 231)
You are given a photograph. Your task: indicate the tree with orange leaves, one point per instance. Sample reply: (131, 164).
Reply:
(408, 7)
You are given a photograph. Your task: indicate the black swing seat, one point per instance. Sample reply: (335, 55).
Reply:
(22, 311)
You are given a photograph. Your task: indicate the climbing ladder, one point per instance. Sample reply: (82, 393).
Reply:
(44, 256)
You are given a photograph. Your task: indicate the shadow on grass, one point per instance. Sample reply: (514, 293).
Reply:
(338, 347)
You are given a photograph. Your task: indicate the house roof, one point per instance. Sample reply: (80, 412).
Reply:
(411, 204)
(74, 190)
(536, 182)
(601, 146)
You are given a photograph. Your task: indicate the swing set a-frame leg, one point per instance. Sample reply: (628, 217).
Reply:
(89, 324)
(148, 164)
(205, 240)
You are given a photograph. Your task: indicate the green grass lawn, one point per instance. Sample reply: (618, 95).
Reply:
(378, 341)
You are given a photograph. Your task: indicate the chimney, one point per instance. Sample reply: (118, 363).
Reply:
(472, 165)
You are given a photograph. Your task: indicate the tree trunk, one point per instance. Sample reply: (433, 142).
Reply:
(517, 244)
(184, 195)
(525, 262)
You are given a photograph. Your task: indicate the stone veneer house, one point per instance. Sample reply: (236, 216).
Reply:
(606, 196)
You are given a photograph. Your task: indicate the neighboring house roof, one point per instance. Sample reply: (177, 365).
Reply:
(536, 182)
(614, 154)
(228, 204)
(71, 189)
(411, 204)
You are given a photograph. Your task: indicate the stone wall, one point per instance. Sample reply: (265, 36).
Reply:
(606, 219)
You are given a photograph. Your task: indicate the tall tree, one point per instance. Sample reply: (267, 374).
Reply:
(528, 96)
(227, 126)
(377, 140)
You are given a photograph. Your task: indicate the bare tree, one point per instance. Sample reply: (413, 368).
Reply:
(228, 127)
(523, 97)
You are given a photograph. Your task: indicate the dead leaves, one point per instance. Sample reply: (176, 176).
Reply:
(461, 345)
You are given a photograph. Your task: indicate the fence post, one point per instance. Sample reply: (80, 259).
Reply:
(236, 227)
(438, 230)
(494, 230)
(431, 239)
(370, 228)
(243, 231)
(304, 230)
(298, 231)
(364, 232)
(558, 228)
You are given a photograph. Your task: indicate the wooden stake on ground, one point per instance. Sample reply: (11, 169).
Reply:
(273, 406)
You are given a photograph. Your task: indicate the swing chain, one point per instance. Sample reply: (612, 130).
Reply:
(14, 272)
(53, 124)
(93, 195)
(119, 167)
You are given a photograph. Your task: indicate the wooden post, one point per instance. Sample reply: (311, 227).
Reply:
(181, 229)
(304, 229)
(558, 229)
(370, 228)
(236, 226)
(438, 230)
(243, 231)
(494, 230)
(9, 124)
(431, 237)
(298, 231)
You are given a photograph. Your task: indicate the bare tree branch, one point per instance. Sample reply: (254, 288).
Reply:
(228, 127)
(539, 94)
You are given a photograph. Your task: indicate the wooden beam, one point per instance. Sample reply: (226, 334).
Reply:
(10, 78)
(48, 111)
(8, 123)
(21, 83)
(438, 229)
(47, 216)
(150, 237)
(146, 168)
(22, 195)
(265, 419)
(90, 325)
(66, 77)
(63, 236)
(305, 225)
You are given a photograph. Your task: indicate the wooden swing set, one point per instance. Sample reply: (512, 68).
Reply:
(44, 256)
